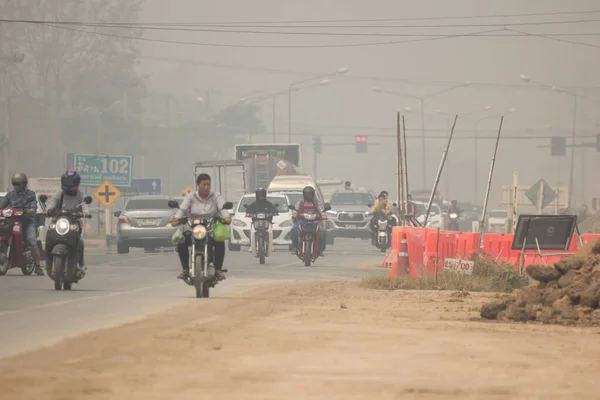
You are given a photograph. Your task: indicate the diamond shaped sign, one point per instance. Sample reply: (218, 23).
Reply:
(548, 194)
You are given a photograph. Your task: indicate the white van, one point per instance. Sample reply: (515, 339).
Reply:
(291, 186)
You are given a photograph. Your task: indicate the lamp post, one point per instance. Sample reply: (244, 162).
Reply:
(422, 100)
(340, 71)
(526, 79)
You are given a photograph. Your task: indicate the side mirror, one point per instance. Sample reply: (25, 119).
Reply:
(327, 207)
(117, 214)
(245, 205)
(369, 205)
(173, 204)
(43, 198)
(291, 207)
(87, 199)
(395, 204)
(228, 206)
(276, 205)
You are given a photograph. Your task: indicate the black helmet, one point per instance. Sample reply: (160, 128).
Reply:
(261, 194)
(454, 202)
(308, 193)
(19, 179)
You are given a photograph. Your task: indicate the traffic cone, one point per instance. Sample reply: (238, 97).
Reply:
(403, 260)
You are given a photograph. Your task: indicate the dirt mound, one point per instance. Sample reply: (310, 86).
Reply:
(566, 294)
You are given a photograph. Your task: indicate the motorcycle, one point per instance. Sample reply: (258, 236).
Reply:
(383, 234)
(13, 252)
(261, 234)
(63, 245)
(453, 221)
(202, 275)
(308, 251)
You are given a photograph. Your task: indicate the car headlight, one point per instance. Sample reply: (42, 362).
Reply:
(7, 213)
(238, 222)
(199, 232)
(286, 223)
(62, 226)
(331, 212)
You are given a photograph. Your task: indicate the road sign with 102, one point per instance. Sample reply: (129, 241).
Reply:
(95, 169)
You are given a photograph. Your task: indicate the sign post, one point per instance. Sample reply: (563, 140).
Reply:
(541, 195)
(95, 169)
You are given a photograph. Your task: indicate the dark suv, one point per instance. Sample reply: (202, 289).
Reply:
(349, 213)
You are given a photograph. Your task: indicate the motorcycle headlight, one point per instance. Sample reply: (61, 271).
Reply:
(453, 215)
(237, 222)
(7, 213)
(261, 216)
(199, 232)
(309, 216)
(62, 226)
(286, 223)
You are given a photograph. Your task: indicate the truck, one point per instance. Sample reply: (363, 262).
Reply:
(228, 177)
(267, 160)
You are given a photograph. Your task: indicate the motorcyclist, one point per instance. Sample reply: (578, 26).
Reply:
(453, 208)
(24, 199)
(262, 205)
(308, 203)
(69, 198)
(383, 206)
(347, 185)
(410, 207)
(208, 203)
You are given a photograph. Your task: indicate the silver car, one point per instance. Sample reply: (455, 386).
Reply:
(144, 222)
(349, 213)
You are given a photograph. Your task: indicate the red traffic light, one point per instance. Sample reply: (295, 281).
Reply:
(361, 139)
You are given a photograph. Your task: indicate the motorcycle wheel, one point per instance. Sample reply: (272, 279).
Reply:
(59, 263)
(67, 285)
(307, 253)
(383, 247)
(3, 268)
(202, 288)
(261, 250)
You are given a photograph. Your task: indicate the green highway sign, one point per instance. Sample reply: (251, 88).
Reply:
(95, 169)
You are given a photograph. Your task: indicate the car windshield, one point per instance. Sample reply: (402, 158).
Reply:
(149, 204)
(498, 214)
(294, 197)
(352, 199)
(282, 201)
(420, 208)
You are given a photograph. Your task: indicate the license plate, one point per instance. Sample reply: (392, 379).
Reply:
(351, 226)
(2, 218)
(148, 221)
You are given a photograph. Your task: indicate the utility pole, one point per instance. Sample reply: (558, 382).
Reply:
(317, 150)
(15, 58)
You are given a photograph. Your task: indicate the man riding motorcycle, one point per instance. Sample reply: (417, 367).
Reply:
(453, 207)
(262, 205)
(69, 198)
(308, 203)
(24, 199)
(385, 207)
(202, 202)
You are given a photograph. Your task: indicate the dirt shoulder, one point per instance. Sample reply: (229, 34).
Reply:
(318, 341)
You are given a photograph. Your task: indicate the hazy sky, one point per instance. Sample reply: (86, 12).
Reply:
(347, 105)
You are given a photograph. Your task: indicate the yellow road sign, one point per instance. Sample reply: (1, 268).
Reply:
(186, 191)
(107, 194)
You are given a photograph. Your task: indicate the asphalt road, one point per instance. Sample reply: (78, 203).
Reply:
(121, 288)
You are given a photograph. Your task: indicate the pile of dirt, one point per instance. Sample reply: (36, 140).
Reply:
(566, 294)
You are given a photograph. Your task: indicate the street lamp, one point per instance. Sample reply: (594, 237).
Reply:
(526, 79)
(422, 99)
(322, 81)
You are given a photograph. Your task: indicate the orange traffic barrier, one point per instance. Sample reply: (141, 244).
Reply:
(590, 237)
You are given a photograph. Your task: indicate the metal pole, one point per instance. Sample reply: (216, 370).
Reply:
(5, 146)
(440, 169)
(290, 114)
(489, 185)
(274, 123)
(570, 196)
(399, 161)
(515, 202)
(423, 143)
(405, 169)
(476, 164)
(315, 156)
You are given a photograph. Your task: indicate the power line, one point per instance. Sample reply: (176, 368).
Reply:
(237, 23)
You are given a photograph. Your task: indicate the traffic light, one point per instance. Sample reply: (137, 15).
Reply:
(361, 144)
(558, 146)
(317, 144)
(598, 143)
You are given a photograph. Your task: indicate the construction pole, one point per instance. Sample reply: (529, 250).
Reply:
(570, 195)
(399, 160)
(489, 186)
(405, 169)
(440, 169)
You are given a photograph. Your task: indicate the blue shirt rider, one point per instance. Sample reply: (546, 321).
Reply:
(24, 199)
